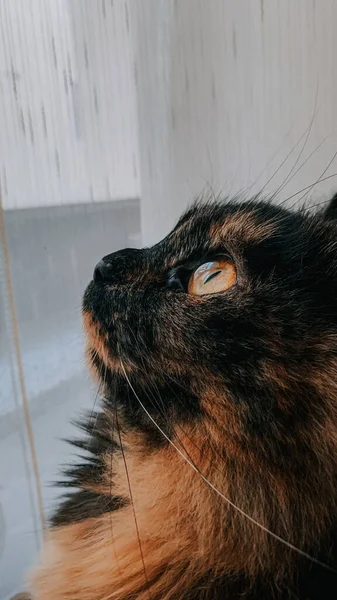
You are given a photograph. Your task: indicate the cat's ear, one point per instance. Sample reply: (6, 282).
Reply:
(330, 213)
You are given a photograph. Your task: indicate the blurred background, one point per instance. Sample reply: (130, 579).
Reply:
(114, 114)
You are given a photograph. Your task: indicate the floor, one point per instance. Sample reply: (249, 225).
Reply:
(53, 252)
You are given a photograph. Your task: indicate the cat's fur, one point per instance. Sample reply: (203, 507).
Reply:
(245, 385)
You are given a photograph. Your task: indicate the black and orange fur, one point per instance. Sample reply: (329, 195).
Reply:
(244, 383)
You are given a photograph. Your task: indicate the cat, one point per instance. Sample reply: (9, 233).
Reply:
(210, 468)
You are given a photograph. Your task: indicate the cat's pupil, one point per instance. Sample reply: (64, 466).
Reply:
(212, 276)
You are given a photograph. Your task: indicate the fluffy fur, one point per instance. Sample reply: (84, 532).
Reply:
(244, 385)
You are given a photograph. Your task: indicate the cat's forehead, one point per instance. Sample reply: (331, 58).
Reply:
(242, 225)
(245, 222)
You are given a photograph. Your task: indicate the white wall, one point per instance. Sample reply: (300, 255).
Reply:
(225, 90)
(67, 103)
(220, 91)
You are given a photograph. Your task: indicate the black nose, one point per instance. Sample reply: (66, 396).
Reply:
(102, 271)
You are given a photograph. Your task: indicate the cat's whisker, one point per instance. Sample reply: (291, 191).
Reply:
(283, 185)
(307, 187)
(100, 387)
(98, 391)
(211, 189)
(144, 374)
(153, 399)
(270, 161)
(210, 446)
(291, 173)
(110, 493)
(131, 495)
(319, 179)
(312, 206)
(227, 500)
(304, 135)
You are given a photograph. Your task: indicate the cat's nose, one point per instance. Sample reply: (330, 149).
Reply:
(113, 267)
(103, 271)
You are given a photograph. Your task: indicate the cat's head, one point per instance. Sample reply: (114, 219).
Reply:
(227, 330)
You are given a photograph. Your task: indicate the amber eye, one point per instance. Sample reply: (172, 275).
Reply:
(212, 278)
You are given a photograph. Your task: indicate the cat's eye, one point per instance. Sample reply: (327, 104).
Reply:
(212, 277)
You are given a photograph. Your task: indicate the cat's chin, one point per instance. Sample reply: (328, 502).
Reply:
(100, 361)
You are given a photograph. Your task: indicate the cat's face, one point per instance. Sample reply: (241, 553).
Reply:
(238, 301)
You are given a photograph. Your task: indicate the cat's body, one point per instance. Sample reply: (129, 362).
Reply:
(211, 470)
